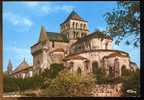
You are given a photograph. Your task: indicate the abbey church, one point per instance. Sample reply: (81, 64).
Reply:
(78, 49)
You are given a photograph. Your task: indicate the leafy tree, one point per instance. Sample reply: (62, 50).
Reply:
(124, 21)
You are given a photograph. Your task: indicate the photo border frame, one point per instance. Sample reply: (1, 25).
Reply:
(62, 98)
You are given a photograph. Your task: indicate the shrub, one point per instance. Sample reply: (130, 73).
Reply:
(132, 82)
(69, 84)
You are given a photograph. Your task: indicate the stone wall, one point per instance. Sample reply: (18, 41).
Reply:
(107, 90)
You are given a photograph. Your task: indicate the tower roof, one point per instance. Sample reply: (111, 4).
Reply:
(10, 64)
(43, 35)
(73, 15)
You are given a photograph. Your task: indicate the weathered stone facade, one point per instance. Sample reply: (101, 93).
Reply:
(78, 49)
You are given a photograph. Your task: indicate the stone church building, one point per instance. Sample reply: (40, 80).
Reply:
(78, 49)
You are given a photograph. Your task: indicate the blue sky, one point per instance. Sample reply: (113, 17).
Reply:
(22, 22)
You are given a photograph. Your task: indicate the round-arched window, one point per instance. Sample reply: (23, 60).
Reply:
(94, 67)
(124, 71)
(79, 71)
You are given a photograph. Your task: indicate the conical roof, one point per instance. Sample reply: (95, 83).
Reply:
(43, 34)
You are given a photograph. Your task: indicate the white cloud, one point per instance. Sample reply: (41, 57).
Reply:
(55, 9)
(44, 8)
(32, 4)
(27, 22)
(17, 20)
(68, 8)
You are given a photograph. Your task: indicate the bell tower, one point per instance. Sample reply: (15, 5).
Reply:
(74, 27)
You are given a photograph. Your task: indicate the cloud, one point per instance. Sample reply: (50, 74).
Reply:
(43, 8)
(17, 20)
(32, 4)
(55, 9)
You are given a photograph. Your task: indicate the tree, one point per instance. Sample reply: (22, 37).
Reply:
(124, 21)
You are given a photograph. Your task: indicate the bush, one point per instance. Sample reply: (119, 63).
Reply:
(69, 84)
(132, 82)
(53, 71)
(9, 84)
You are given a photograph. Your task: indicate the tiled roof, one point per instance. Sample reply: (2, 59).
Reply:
(53, 36)
(96, 34)
(75, 57)
(58, 50)
(73, 15)
(98, 50)
(116, 54)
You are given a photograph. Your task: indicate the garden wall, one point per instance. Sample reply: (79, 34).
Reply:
(107, 90)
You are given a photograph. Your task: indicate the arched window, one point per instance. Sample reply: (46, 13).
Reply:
(106, 45)
(110, 71)
(80, 26)
(73, 24)
(94, 67)
(77, 34)
(53, 44)
(124, 70)
(116, 67)
(79, 71)
(84, 26)
(74, 34)
(86, 65)
(76, 25)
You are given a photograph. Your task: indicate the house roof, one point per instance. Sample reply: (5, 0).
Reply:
(116, 54)
(58, 50)
(22, 66)
(53, 36)
(74, 16)
(96, 34)
(76, 57)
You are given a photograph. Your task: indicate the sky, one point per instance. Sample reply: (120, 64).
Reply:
(22, 22)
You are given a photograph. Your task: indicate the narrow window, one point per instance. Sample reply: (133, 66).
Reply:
(53, 45)
(73, 24)
(106, 46)
(76, 25)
